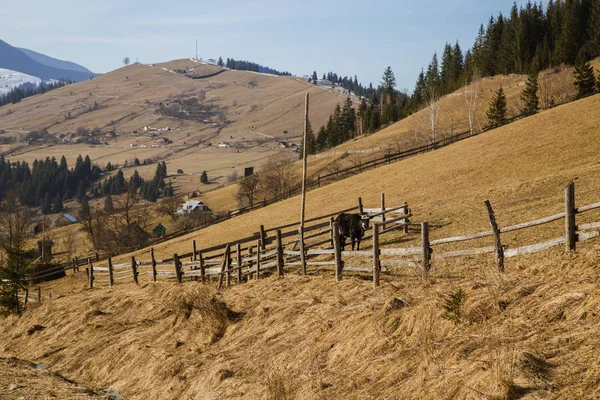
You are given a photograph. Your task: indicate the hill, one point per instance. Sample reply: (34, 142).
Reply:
(529, 333)
(252, 112)
(11, 79)
(16, 60)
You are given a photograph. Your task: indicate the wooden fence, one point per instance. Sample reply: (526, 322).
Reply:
(319, 247)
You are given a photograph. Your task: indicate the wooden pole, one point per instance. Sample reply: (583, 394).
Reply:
(339, 264)
(570, 226)
(497, 242)
(319, 180)
(97, 257)
(223, 267)
(304, 162)
(250, 263)
(134, 271)
(202, 270)
(177, 268)
(360, 206)
(194, 247)
(153, 264)
(238, 252)
(376, 263)
(258, 250)
(263, 237)
(77, 263)
(383, 207)
(406, 221)
(331, 230)
(228, 268)
(111, 280)
(302, 250)
(425, 247)
(26, 297)
(279, 254)
(39, 295)
(90, 273)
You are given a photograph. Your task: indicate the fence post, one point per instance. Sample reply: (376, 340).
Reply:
(177, 268)
(258, 250)
(134, 270)
(376, 263)
(111, 280)
(302, 251)
(228, 267)
(97, 257)
(279, 254)
(426, 249)
(250, 263)
(263, 237)
(39, 295)
(153, 264)
(90, 273)
(202, 271)
(383, 207)
(319, 180)
(497, 242)
(337, 253)
(331, 230)
(406, 221)
(27, 298)
(570, 226)
(194, 247)
(77, 263)
(238, 252)
(360, 206)
(74, 265)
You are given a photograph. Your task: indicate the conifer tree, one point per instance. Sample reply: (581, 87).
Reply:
(311, 143)
(108, 204)
(204, 177)
(47, 204)
(584, 78)
(57, 206)
(529, 97)
(496, 113)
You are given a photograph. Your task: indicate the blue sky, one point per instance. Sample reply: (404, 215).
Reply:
(347, 37)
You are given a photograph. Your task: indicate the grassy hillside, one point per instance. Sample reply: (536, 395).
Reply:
(127, 100)
(529, 334)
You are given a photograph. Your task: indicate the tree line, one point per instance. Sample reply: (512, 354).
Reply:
(27, 89)
(242, 65)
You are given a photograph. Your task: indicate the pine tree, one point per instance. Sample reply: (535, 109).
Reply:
(496, 113)
(314, 77)
(57, 206)
(529, 97)
(47, 204)
(220, 62)
(311, 142)
(584, 78)
(204, 177)
(80, 191)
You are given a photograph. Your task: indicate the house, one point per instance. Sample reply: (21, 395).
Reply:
(133, 236)
(193, 206)
(159, 231)
(64, 220)
(224, 144)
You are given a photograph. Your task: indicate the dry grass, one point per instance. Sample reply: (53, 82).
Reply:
(313, 338)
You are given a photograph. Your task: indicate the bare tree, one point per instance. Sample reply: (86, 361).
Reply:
(93, 222)
(471, 93)
(277, 176)
(432, 109)
(70, 245)
(247, 190)
(169, 205)
(557, 88)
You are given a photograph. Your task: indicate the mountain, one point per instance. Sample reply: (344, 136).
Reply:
(16, 60)
(54, 62)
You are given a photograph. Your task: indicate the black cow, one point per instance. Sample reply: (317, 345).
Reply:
(352, 226)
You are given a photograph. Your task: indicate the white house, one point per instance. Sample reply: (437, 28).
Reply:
(193, 206)
(224, 144)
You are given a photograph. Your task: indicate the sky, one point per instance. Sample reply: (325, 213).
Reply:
(347, 37)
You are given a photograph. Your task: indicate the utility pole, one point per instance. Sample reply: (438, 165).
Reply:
(304, 161)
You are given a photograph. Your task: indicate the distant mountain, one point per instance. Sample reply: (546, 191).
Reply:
(16, 60)
(54, 62)
(12, 79)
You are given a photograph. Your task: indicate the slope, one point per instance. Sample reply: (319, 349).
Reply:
(129, 99)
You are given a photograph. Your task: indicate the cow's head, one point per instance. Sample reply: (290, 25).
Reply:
(364, 219)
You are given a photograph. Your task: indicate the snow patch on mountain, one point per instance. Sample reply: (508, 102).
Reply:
(11, 79)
